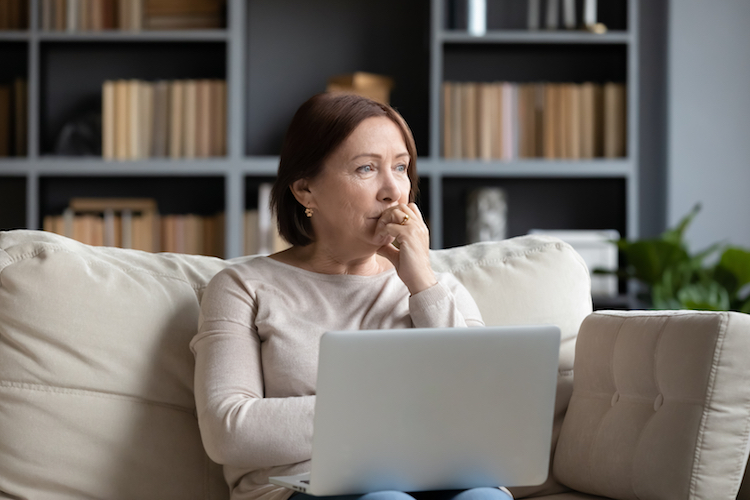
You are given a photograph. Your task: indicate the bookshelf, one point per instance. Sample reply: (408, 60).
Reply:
(273, 57)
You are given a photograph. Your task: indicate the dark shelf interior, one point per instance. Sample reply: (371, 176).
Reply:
(535, 63)
(72, 75)
(13, 61)
(174, 195)
(12, 202)
(534, 203)
(290, 58)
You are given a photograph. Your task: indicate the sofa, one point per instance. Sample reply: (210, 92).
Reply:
(96, 376)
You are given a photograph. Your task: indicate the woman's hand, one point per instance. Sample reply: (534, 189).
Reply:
(412, 257)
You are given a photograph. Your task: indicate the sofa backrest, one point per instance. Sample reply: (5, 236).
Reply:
(96, 376)
(531, 279)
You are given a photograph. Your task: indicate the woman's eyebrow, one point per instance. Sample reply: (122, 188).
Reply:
(375, 155)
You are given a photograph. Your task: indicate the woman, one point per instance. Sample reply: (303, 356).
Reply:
(344, 193)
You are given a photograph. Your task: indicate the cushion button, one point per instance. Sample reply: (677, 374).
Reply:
(615, 398)
(658, 402)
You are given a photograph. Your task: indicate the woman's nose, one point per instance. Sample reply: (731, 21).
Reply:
(389, 188)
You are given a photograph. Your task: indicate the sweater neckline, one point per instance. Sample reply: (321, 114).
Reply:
(385, 274)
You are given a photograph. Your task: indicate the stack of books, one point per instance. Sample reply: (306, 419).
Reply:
(131, 15)
(13, 118)
(164, 119)
(184, 14)
(506, 121)
(14, 15)
(136, 223)
(193, 234)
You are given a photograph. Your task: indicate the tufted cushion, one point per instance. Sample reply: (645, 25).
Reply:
(660, 406)
(527, 280)
(96, 376)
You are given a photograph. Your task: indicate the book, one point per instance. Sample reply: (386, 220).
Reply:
(469, 121)
(203, 119)
(20, 117)
(146, 119)
(447, 120)
(552, 14)
(550, 121)
(587, 120)
(569, 14)
(190, 106)
(184, 14)
(60, 15)
(161, 125)
(508, 121)
(122, 120)
(527, 120)
(108, 120)
(614, 120)
(457, 117)
(485, 108)
(134, 120)
(532, 22)
(498, 103)
(176, 119)
(574, 136)
(5, 120)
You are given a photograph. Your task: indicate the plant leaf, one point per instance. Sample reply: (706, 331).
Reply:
(675, 235)
(650, 258)
(709, 296)
(737, 261)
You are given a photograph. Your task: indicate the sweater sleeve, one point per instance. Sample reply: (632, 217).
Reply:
(445, 304)
(239, 427)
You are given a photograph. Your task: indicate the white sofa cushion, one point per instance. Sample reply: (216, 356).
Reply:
(96, 376)
(527, 280)
(660, 407)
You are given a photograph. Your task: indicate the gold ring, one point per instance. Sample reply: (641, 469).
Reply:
(406, 218)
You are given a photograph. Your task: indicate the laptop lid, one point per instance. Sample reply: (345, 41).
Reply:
(425, 409)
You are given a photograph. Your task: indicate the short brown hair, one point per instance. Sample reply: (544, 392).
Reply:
(318, 127)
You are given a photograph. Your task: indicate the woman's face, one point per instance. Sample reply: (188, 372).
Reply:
(364, 176)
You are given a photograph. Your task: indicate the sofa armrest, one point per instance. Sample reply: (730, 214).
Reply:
(660, 406)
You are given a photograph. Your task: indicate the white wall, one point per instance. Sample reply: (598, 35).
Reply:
(708, 89)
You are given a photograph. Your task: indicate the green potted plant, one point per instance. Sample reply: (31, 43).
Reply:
(714, 279)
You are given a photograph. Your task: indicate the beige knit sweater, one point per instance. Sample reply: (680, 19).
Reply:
(256, 356)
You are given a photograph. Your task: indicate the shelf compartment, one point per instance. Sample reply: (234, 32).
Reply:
(539, 203)
(201, 195)
(283, 71)
(513, 15)
(12, 202)
(72, 75)
(13, 100)
(535, 63)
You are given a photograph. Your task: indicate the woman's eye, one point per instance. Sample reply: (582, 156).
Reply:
(365, 168)
(401, 168)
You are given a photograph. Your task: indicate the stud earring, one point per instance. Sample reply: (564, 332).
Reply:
(308, 212)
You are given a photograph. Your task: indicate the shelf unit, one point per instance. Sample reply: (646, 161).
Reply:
(273, 58)
(513, 55)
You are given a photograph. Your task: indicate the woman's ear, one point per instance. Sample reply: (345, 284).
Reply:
(301, 191)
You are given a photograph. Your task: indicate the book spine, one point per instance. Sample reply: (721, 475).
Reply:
(108, 120)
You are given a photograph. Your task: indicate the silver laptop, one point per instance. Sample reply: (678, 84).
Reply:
(431, 409)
